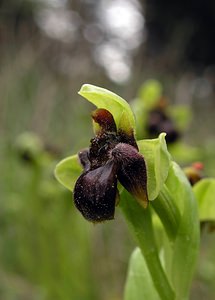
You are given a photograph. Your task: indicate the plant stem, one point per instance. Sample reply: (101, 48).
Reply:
(168, 212)
(139, 221)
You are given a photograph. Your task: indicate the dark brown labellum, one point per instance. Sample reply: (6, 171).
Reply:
(95, 193)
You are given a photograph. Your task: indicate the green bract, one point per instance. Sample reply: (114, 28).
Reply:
(68, 170)
(157, 160)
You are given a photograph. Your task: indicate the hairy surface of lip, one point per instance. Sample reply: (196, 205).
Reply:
(132, 171)
(95, 193)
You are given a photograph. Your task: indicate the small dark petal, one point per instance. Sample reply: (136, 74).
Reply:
(105, 120)
(95, 193)
(84, 159)
(132, 171)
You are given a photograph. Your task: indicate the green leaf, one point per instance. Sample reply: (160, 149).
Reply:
(186, 245)
(116, 105)
(139, 284)
(204, 191)
(68, 170)
(157, 160)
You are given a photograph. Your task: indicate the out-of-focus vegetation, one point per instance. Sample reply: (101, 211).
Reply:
(48, 49)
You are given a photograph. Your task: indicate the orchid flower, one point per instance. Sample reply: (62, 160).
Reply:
(114, 156)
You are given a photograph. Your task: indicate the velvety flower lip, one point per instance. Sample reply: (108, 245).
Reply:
(113, 155)
(95, 193)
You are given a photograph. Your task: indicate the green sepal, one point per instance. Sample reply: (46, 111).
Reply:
(204, 191)
(157, 159)
(116, 105)
(68, 170)
(125, 125)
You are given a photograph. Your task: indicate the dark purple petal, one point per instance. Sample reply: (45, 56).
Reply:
(95, 193)
(84, 159)
(132, 171)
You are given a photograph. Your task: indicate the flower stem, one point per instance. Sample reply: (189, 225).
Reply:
(168, 212)
(139, 221)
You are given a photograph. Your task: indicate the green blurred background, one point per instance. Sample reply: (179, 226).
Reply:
(48, 49)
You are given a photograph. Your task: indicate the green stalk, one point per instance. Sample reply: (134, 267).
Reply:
(140, 223)
(168, 212)
(186, 244)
